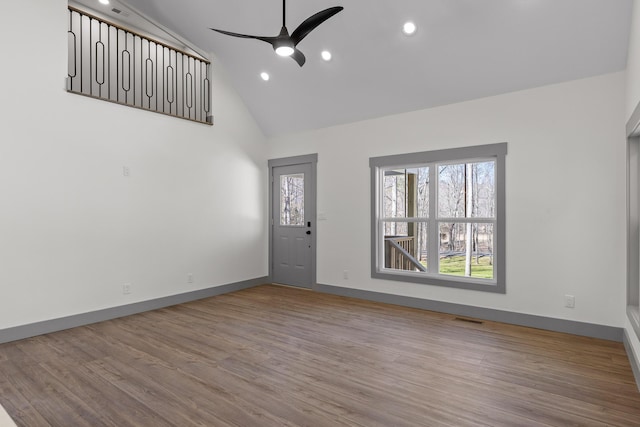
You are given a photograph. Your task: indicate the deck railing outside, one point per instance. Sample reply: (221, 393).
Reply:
(400, 254)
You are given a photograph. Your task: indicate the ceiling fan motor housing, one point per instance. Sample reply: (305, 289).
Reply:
(283, 45)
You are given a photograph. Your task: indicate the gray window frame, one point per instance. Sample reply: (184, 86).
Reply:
(633, 220)
(496, 152)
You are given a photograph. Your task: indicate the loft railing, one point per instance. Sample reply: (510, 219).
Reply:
(109, 62)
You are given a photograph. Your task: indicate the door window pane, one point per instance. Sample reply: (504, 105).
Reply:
(292, 200)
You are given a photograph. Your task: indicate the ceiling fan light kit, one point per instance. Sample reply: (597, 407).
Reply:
(285, 44)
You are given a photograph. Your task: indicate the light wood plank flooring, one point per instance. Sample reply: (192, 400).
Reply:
(278, 356)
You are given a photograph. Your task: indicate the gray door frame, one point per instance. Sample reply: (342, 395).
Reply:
(311, 159)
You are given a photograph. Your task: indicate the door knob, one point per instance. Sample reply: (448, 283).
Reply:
(308, 231)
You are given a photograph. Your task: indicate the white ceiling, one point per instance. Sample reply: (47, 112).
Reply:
(463, 49)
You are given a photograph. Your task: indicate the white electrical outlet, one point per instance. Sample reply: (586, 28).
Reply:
(190, 278)
(345, 274)
(126, 171)
(126, 289)
(569, 301)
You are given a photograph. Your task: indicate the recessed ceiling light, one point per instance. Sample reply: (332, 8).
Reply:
(326, 55)
(104, 1)
(409, 28)
(264, 76)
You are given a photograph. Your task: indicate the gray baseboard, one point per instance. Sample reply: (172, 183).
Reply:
(633, 358)
(54, 325)
(539, 322)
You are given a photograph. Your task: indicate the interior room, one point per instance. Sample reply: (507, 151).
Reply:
(427, 215)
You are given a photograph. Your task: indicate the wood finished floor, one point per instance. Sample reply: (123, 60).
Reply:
(277, 356)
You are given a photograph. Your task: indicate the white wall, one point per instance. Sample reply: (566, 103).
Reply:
(632, 100)
(565, 194)
(73, 229)
(633, 62)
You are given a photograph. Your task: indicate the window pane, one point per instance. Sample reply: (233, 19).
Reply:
(405, 245)
(456, 260)
(422, 196)
(292, 199)
(451, 201)
(393, 229)
(466, 190)
(406, 193)
(483, 183)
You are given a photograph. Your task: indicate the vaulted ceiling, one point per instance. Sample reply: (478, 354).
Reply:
(462, 50)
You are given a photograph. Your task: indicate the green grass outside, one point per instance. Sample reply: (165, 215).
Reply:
(455, 266)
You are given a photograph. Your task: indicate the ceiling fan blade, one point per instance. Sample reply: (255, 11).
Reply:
(299, 57)
(312, 22)
(269, 40)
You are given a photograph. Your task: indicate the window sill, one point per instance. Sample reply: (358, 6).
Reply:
(482, 285)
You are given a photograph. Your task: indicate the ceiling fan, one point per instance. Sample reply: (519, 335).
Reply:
(285, 44)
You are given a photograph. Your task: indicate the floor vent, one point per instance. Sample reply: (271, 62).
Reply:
(462, 319)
